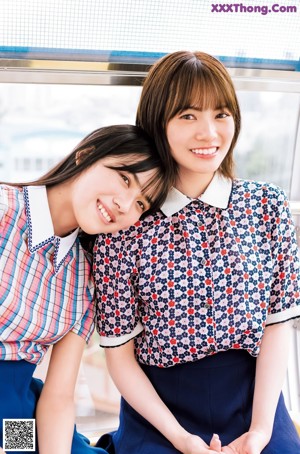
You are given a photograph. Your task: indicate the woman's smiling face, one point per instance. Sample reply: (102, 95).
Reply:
(200, 139)
(105, 200)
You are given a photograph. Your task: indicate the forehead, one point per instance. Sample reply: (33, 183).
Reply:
(202, 91)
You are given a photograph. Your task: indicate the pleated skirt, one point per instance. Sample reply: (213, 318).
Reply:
(213, 395)
(19, 393)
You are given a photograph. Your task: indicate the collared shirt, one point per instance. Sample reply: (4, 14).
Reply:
(45, 281)
(202, 276)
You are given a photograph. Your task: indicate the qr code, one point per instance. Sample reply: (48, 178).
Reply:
(18, 435)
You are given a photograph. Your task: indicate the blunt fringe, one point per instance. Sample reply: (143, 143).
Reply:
(180, 80)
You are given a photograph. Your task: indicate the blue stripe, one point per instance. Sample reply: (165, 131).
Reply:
(21, 289)
(124, 56)
(37, 268)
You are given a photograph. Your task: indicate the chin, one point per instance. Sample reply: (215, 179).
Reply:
(111, 228)
(90, 230)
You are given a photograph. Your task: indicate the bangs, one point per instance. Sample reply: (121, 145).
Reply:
(203, 90)
(155, 190)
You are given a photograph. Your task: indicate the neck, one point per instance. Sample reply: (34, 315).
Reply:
(62, 217)
(193, 184)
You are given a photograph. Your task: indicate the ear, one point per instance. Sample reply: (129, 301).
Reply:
(82, 154)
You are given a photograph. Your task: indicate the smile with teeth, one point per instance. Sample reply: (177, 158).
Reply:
(104, 212)
(205, 151)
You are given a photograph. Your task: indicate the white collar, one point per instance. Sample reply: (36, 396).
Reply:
(40, 226)
(216, 194)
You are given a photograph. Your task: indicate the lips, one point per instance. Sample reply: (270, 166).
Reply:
(105, 212)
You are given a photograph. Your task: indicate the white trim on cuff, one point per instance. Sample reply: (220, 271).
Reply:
(120, 340)
(283, 316)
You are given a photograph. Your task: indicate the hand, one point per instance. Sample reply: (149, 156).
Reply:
(195, 445)
(252, 442)
(1, 451)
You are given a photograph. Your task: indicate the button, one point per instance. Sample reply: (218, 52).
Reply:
(203, 261)
(207, 305)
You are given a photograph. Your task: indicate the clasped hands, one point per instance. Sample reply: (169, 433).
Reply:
(252, 442)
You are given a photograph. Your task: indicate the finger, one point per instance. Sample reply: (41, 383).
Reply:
(215, 443)
(228, 450)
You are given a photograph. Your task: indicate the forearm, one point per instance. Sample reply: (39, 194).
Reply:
(55, 409)
(270, 374)
(138, 391)
(55, 424)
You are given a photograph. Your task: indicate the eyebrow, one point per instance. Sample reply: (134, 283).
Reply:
(149, 200)
(219, 107)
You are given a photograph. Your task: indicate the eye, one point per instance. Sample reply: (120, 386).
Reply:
(141, 205)
(187, 116)
(223, 115)
(125, 178)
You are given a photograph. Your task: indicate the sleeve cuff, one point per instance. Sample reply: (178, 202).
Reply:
(279, 317)
(120, 340)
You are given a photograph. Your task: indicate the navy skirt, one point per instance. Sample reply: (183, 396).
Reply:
(19, 393)
(213, 395)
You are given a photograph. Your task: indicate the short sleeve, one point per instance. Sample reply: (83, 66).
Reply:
(285, 287)
(115, 273)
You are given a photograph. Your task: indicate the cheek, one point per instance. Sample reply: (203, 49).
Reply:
(230, 131)
(172, 135)
(175, 142)
(134, 216)
(86, 186)
(130, 218)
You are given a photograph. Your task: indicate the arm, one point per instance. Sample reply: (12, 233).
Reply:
(55, 409)
(138, 391)
(271, 369)
(270, 374)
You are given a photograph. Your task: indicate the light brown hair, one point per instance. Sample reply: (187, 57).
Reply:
(181, 80)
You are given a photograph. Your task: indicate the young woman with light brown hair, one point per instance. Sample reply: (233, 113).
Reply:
(195, 300)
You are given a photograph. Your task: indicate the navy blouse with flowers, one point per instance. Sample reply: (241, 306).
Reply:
(202, 276)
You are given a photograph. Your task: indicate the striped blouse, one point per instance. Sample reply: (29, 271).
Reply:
(46, 289)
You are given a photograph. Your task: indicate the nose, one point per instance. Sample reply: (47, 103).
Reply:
(206, 130)
(124, 202)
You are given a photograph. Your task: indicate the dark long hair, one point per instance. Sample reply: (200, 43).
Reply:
(180, 80)
(135, 151)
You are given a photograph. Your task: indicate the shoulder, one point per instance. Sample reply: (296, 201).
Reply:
(10, 199)
(258, 191)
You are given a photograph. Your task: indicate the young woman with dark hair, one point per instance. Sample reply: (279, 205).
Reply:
(111, 179)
